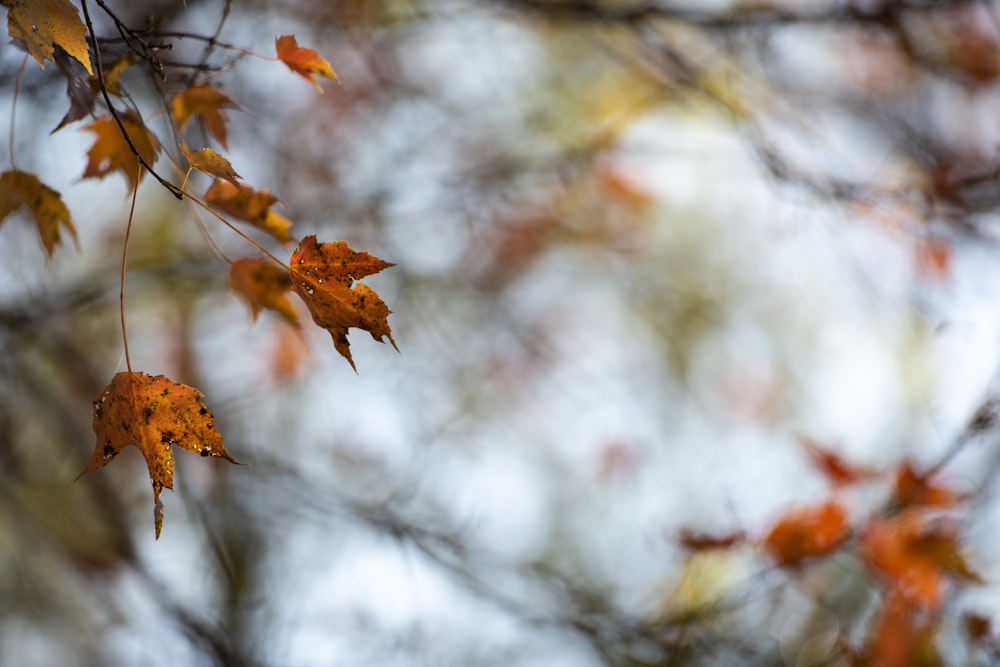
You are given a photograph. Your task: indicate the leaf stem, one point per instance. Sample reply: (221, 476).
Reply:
(121, 286)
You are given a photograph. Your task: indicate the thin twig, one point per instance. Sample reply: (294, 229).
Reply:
(114, 114)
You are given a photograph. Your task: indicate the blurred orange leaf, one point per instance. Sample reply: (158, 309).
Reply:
(903, 637)
(911, 488)
(111, 151)
(253, 206)
(263, 285)
(153, 414)
(19, 188)
(807, 533)
(44, 24)
(208, 104)
(302, 61)
(914, 553)
(323, 275)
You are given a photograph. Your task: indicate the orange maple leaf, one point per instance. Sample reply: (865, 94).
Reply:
(207, 103)
(111, 151)
(19, 188)
(263, 285)
(323, 275)
(153, 413)
(302, 61)
(44, 24)
(253, 206)
(807, 533)
(208, 161)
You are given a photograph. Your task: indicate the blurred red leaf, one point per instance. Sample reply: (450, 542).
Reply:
(933, 259)
(833, 466)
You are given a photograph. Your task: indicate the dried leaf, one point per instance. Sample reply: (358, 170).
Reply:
(302, 61)
(263, 285)
(253, 206)
(208, 104)
(19, 188)
(211, 163)
(323, 274)
(44, 24)
(808, 533)
(153, 414)
(111, 151)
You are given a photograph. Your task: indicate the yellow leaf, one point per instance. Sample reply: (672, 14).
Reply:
(211, 163)
(43, 24)
(19, 188)
(113, 75)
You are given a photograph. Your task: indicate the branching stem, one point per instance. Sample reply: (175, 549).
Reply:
(99, 68)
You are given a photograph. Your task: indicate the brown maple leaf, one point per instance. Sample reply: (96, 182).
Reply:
(153, 414)
(207, 103)
(253, 206)
(19, 188)
(323, 275)
(111, 151)
(263, 285)
(302, 61)
(44, 24)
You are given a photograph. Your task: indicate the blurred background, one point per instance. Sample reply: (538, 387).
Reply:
(644, 250)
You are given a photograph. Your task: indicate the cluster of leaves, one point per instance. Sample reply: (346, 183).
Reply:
(156, 413)
(911, 546)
